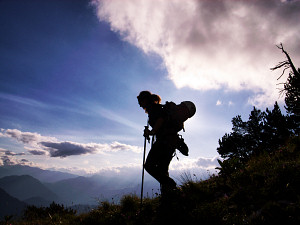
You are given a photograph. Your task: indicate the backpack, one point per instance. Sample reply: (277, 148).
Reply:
(178, 114)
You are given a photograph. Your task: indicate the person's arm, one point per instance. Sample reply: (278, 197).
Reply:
(155, 128)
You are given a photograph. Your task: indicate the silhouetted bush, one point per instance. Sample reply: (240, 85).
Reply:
(54, 214)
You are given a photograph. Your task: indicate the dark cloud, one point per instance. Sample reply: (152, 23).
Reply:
(24, 160)
(64, 149)
(37, 152)
(7, 152)
(7, 161)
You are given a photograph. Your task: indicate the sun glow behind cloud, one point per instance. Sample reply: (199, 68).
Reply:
(210, 45)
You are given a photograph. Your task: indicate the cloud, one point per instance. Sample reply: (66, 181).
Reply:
(8, 158)
(64, 149)
(208, 162)
(195, 163)
(36, 151)
(24, 160)
(25, 137)
(6, 161)
(123, 147)
(209, 45)
(37, 144)
(22, 100)
(219, 103)
(10, 153)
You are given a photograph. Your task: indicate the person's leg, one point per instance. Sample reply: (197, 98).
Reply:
(157, 164)
(151, 164)
(167, 183)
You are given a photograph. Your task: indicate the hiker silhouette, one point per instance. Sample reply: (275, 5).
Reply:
(164, 146)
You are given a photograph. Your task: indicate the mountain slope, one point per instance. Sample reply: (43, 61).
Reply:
(25, 187)
(91, 190)
(38, 201)
(10, 205)
(79, 190)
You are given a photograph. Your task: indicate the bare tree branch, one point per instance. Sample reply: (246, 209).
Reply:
(287, 63)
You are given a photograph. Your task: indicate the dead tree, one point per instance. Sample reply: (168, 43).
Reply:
(291, 87)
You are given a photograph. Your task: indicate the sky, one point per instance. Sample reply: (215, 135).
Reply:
(70, 73)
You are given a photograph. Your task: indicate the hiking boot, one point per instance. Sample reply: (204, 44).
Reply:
(182, 147)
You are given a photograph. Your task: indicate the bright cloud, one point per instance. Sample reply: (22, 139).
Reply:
(196, 163)
(208, 45)
(26, 137)
(37, 144)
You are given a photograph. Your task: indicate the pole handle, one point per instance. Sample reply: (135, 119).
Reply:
(147, 137)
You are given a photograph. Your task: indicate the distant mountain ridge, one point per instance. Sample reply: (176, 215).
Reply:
(91, 190)
(40, 174)
(70, 191)
(76, 190)
(41, 187)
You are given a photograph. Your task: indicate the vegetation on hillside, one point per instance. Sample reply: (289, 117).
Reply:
(258, 180)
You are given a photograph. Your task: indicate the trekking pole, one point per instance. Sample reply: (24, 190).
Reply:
(144, 156)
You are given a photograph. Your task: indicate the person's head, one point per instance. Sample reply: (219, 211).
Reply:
(146, 98)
